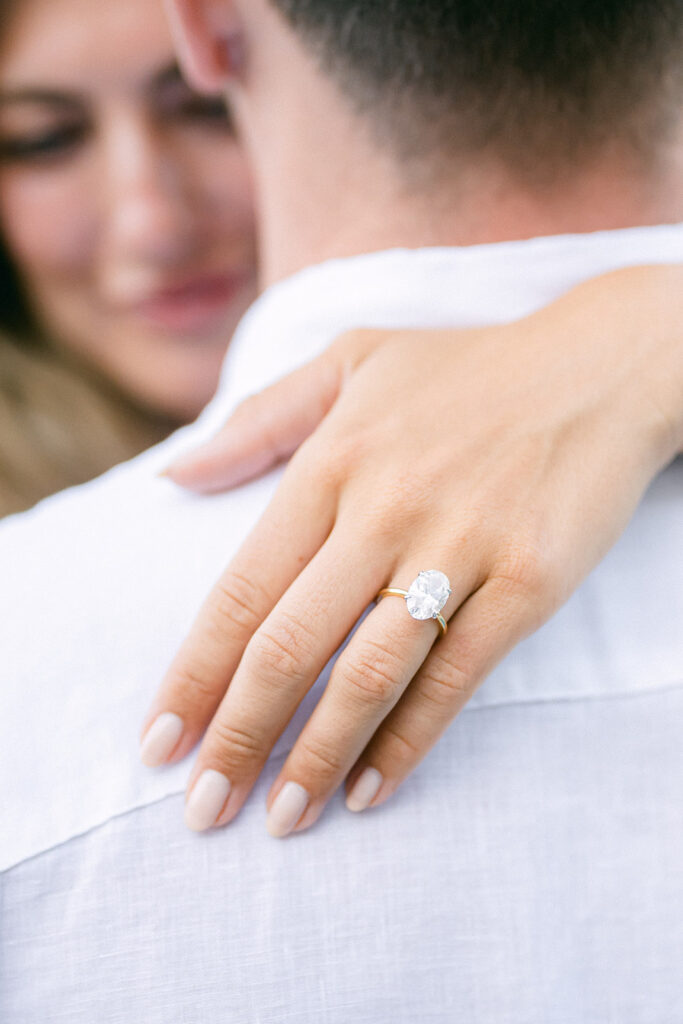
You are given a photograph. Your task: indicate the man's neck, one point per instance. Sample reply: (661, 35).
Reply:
(326, 189)
(316, 221)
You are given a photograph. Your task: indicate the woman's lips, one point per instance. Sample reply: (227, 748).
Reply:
(195, 306)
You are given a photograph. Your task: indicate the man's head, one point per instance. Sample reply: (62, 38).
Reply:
(540, 83)
(535, 93)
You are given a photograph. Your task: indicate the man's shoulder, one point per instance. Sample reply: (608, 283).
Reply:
(105, 579)
(99, 583)
(451, 286)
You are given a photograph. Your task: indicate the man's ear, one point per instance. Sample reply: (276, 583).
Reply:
(205, 34)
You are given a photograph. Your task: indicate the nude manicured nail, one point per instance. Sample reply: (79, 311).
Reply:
(365, 790)
(290, 804)
(206, 800)
(161, 739)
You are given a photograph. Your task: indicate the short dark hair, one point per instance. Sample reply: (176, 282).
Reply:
(539, 83)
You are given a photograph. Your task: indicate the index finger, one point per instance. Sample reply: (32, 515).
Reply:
(291, 530)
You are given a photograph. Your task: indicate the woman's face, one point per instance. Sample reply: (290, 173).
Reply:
(124, 198)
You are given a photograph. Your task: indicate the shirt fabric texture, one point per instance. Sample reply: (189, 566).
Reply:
(530, 871)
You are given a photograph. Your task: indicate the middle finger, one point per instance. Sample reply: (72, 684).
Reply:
(280, 664)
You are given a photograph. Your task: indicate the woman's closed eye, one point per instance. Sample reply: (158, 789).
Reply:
(176, 103)
(44, 146)
(187, 108)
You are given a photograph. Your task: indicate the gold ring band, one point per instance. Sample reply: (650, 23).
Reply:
(396, 592)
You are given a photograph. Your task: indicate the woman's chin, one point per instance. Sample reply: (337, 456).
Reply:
(168, 379)
(178, 406)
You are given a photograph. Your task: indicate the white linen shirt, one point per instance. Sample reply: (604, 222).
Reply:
(530, 871)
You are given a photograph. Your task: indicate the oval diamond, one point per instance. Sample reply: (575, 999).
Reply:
(428, 594)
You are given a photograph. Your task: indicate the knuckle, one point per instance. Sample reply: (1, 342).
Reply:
(235, 745)
(346, 441)
(669, 423)
(251, 415)
(526, 569)
(395, 507)
(248, 407)
(282, 648)
(317, 462)
(189, 689)
(319, 759)
(342, 454)
(372, 674)
(398, 747)
(352, 346)
(444, 684)
(236, 604)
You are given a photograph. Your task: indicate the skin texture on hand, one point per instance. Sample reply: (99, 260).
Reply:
(511, 458)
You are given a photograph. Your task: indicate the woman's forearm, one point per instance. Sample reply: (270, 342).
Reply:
(643, 308)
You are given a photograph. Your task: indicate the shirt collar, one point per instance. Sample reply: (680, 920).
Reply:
(466, 286)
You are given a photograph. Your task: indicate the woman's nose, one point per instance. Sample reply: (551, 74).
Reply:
(148, 203)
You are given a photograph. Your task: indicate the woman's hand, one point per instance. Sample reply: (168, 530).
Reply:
(510, 458)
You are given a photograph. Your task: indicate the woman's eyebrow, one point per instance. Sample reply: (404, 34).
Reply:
(168, 76)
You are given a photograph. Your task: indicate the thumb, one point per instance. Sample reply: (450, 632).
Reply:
(268, 427)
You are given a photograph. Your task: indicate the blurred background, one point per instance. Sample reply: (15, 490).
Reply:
(127, 242)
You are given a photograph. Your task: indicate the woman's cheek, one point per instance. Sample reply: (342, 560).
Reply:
(48, 222)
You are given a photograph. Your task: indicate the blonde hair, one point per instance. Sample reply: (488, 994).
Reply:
(60, 425)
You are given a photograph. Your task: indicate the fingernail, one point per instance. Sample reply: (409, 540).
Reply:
(161, 739)
(206, 800)
(365, 790)
(180, 463)
(290, 804)
(167, 471)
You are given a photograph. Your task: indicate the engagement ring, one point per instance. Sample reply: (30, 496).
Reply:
(426, 596)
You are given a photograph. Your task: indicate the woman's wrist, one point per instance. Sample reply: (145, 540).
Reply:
(642, 308)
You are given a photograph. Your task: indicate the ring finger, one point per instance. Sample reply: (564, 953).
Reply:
(484, 629)
(367, 681)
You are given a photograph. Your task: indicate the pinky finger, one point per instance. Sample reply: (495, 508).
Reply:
(484, 629)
